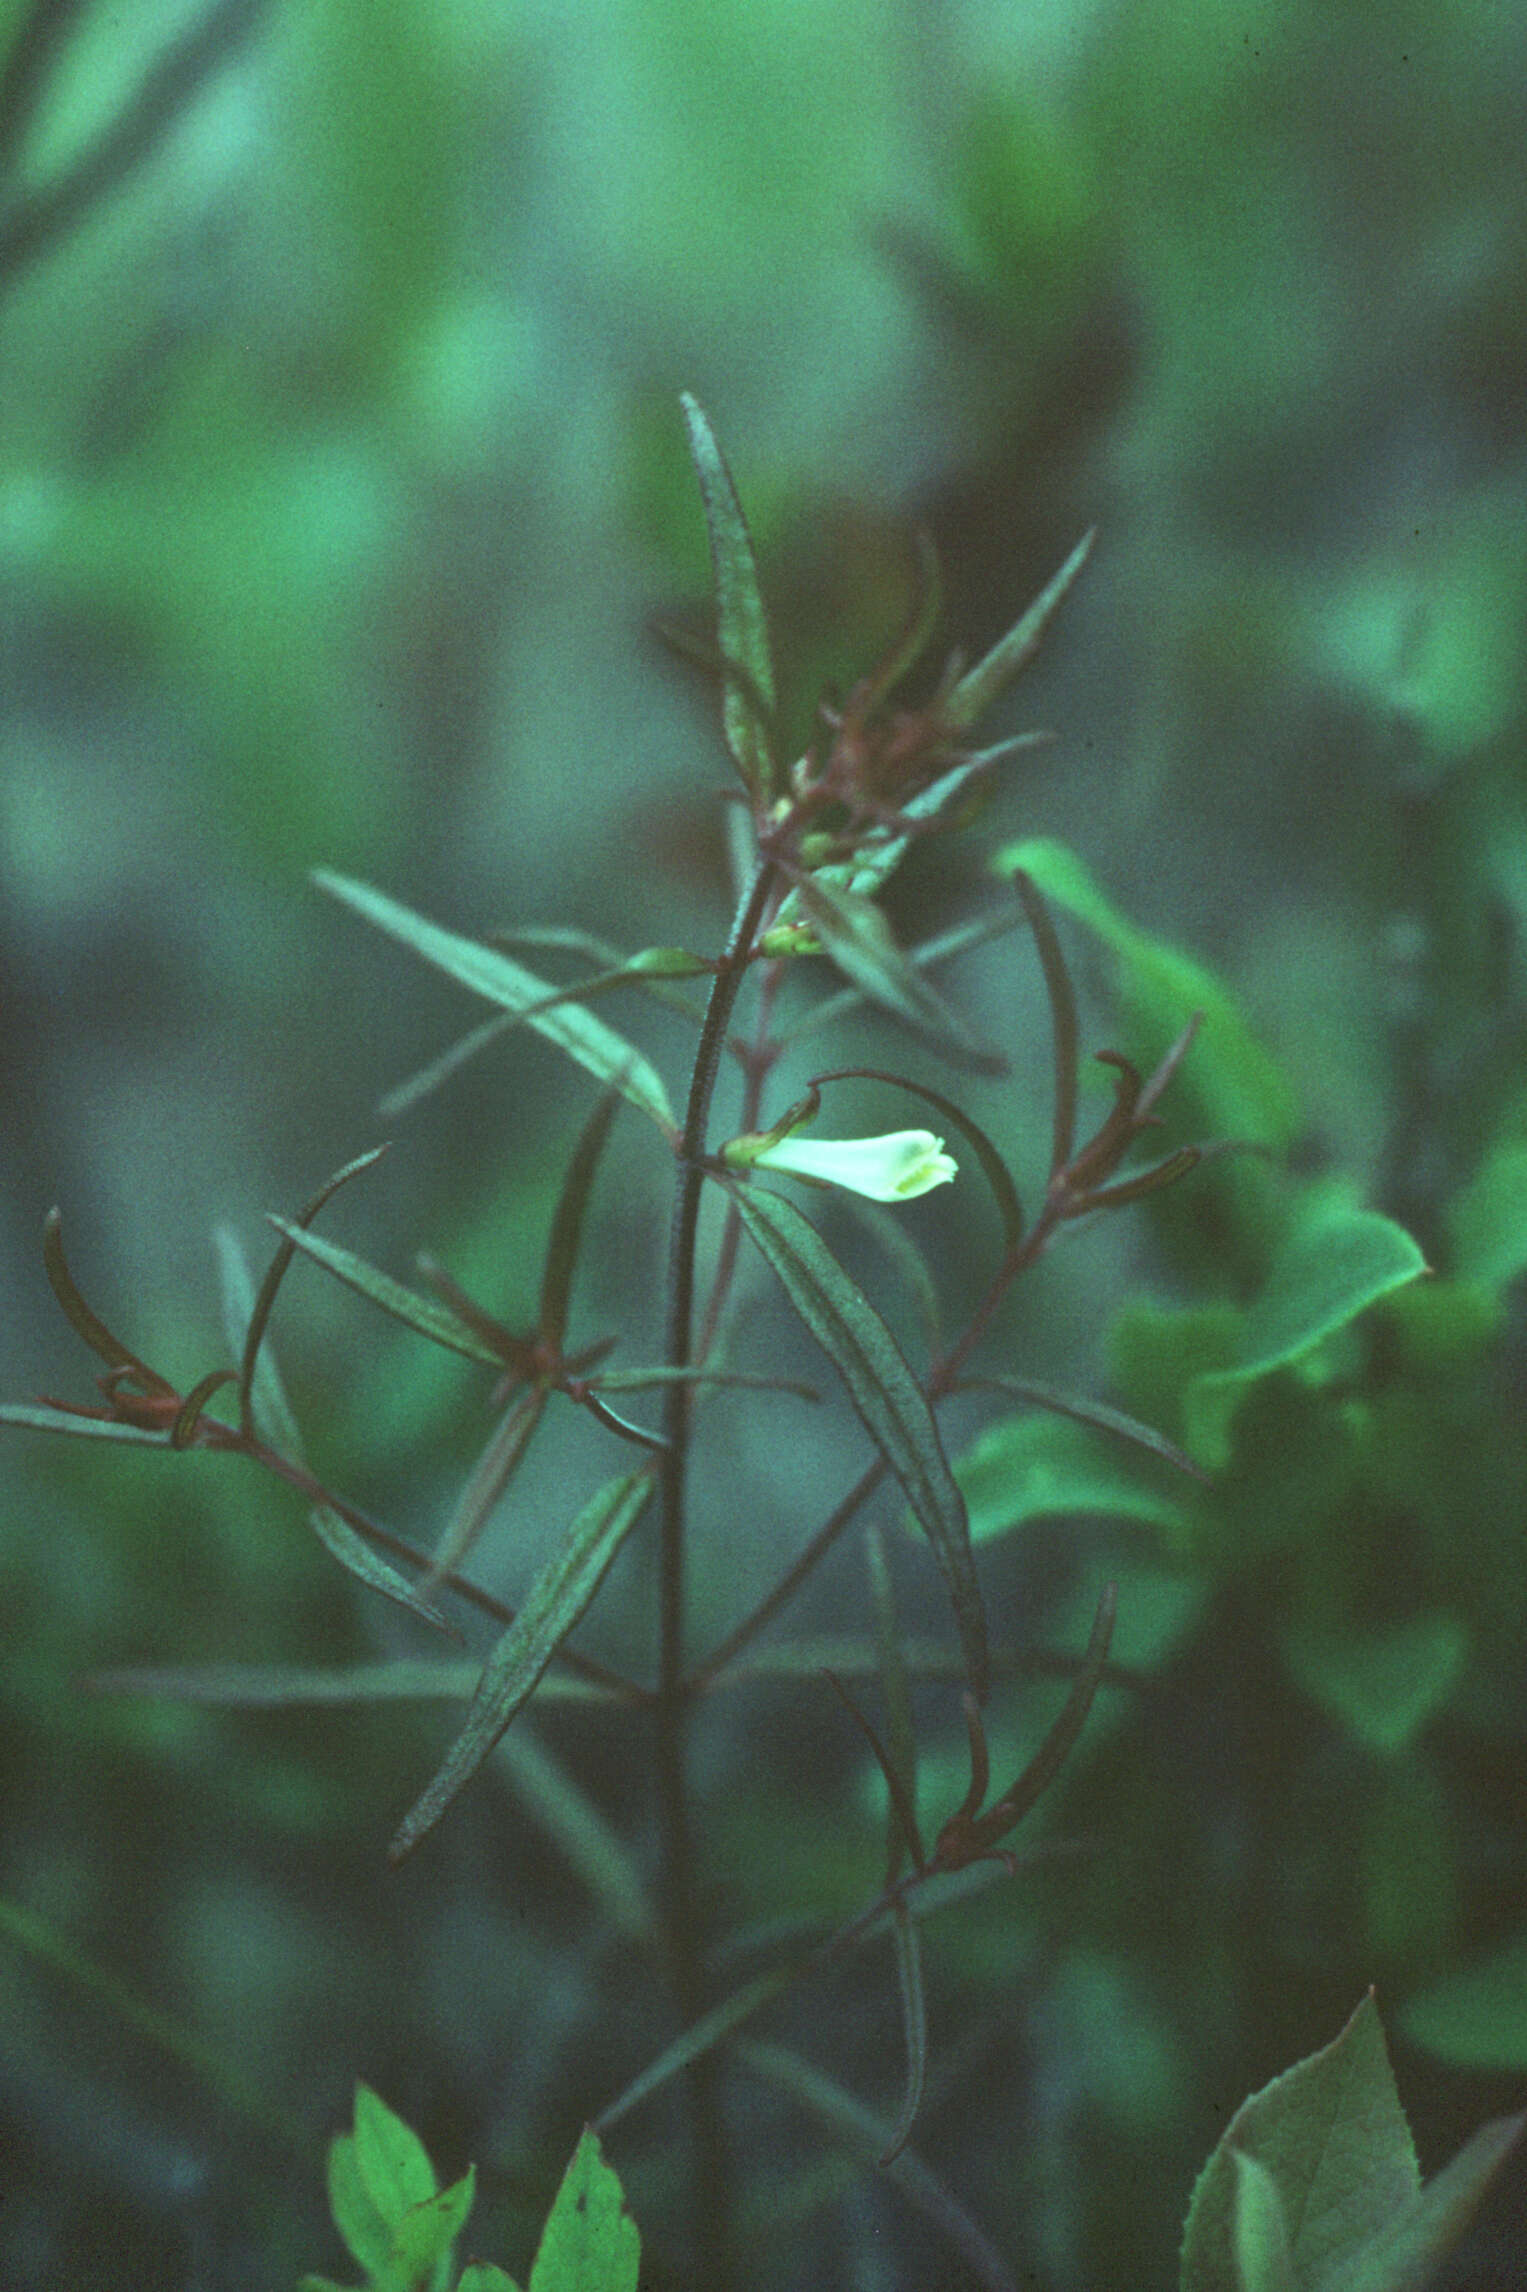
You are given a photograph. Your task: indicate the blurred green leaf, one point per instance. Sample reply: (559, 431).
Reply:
(856, 936)
(498, 979)
(1334, 1264)
(39, 1417)
(1477, 2017)
(555, 1601)
(590, 2242)
(1041, 1466)
(886, 1396)
(1264, 2259)
(1488, 1219)
(1404, 2256)
(980, 686)
(1382, 1685)
(914, 2016)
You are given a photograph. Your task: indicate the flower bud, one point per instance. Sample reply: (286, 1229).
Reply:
(892, 1168)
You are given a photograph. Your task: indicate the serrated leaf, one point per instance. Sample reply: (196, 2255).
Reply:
(426, 1315)
(41, 1416)
(362, 1560)
(886, 1396)
(1334, 1264)
(590, 2242)
(981, 685)
(391, 2162)
(1333, 2136)
(1264, 2260)
(1404, 2256)
(742, 627)
(498, 979)
(856, 936)
(553, 1605)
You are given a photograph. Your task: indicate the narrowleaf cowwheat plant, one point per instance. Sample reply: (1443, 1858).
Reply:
(815, 840)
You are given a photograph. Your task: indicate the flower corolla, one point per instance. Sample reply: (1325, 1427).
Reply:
(893, 1168)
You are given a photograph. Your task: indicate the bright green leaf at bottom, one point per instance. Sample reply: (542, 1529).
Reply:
(483, 2276)
(590, 2243)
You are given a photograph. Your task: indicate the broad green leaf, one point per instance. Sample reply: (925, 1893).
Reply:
(1404, 2256)
(39, 1416)
(363, 1561)
(1264, 2260)
(1333, 2137)
(1335, 1262)
(422, 2239)
(1381, 1685)
(991, 676)
(1040, 1467)
(554, 1603)
(428, 1315)
(498, 979)
(589, 2243)
(856, 936)
(483, 2276)
(1242, 1092)
(742, 628)
(1477, 2017)
(366, 2233)
(889, 1401)
(1488, 1220)
(391, 2162)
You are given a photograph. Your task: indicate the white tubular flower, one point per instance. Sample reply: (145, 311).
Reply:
(895, 1168)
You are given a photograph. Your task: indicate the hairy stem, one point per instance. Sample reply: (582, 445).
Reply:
(683, 1925)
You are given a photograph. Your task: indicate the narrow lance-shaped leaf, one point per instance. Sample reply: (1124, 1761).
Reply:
(498, 979)
(742, 629)
(909, 1973)
(425, 1314)
(89, 1325)
(901, 1739)
(361, 1560)
(858, 939)
(980, 686)
(553, 1605)
(567, 1220)
(43, 1416)
(490, 1476)
(1089, 1412)
(271, 1395)
(1063, 1026)
(889, 1401)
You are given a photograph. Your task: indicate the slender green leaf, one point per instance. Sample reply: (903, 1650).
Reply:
(993, 1168)
(1333, 2136)
(567, 1220)
(914, 2015)
(490, 1476)
(498, 979)
(1062, 1737)
(939, 949)
(271, 1687)
(1063, 1026)
(889, 1401)
(1237, 1089)
(1334, 1264)
(901, 1738)
(556, 1600)
(744, 1380)
(710, 2030)
(864, 2133)
(980, 686)
(260, 1309)
(742, 628)
(592, 1845)
(1089, 1412)
(270, 1411)
(427, 1315)
(42, 1416)
(366, 1564)
(1264, 2259)
(590, 2242)
(856, 936)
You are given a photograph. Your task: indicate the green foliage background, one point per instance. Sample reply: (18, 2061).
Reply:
(339, 474)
